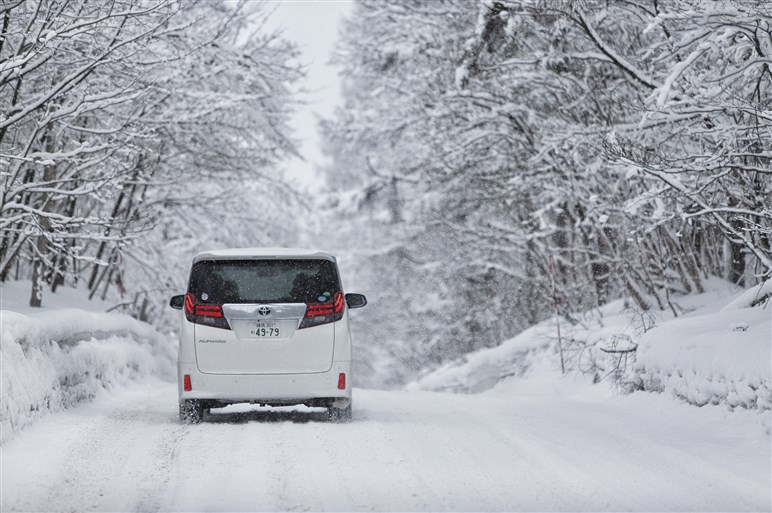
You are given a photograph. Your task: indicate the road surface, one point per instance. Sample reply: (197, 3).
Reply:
(406, 451)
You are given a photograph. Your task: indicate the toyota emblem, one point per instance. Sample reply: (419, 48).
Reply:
(263, 310)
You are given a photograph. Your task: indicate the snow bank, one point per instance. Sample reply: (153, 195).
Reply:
(722, 357)
(718, 351)
(14, 296)
(534, 352)
(482, 370)
(754, 296)
(58, 358)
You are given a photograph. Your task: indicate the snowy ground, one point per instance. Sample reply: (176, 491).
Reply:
(14, 296)
(530, 440)
(556, 448)
(54, 358)
(717, 351)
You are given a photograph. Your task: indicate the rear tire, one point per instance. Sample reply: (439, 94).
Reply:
(191, 411)
(339, 414)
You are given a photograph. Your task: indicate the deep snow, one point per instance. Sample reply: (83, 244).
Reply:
(556, 446)
(540, 442)
(718, 350)
(54, 358)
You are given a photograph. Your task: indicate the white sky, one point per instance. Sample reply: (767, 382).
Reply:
(313, 25)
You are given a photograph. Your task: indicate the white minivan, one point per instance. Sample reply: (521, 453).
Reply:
(267, 326)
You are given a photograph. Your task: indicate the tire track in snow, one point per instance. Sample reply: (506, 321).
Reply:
(122, 455)
(255, 461)
(471, 465)
(290, 477)
(416, 451)
(623, 461)
(417, 457)
(152, 500)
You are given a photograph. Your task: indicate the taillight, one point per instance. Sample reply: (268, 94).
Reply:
(187, 385)
(208, 315)
(341, 381)
(323, 313)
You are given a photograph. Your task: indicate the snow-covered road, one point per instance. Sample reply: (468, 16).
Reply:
(404, 451)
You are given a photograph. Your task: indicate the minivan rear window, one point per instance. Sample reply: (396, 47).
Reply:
(264, 281)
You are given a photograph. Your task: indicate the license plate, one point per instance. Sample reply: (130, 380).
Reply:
(266, 330)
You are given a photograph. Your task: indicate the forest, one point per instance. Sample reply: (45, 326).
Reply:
(131, 134)
(494, 163)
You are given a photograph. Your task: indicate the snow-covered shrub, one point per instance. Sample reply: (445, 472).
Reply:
(56, 360)
(716, 352)
(715, 358)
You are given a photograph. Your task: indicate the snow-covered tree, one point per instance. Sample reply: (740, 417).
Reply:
(129, 125)
(498, 146)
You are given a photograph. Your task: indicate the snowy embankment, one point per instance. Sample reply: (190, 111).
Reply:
(56, 358)
(717, 351)
(719, 357)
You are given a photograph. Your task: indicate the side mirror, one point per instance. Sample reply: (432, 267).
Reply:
(176, 302)
(356, 300)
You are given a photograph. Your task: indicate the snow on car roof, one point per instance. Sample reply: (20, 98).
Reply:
(239, 253)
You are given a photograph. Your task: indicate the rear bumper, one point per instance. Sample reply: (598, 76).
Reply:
(265, 388)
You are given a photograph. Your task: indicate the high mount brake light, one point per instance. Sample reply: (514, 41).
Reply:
(208, 315)
(324, 313)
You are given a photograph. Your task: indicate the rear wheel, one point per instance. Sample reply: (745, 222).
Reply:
(191, 411)
(339, 414)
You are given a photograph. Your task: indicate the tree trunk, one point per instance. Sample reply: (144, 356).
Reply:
(735, 265)
(38, 266)
(36, 298)
(60, 264)
(93, 284)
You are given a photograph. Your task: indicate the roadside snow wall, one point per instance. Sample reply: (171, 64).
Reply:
(55, 360)
(722, 357)
(719, 352)
(482, 370)
(533, 353)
